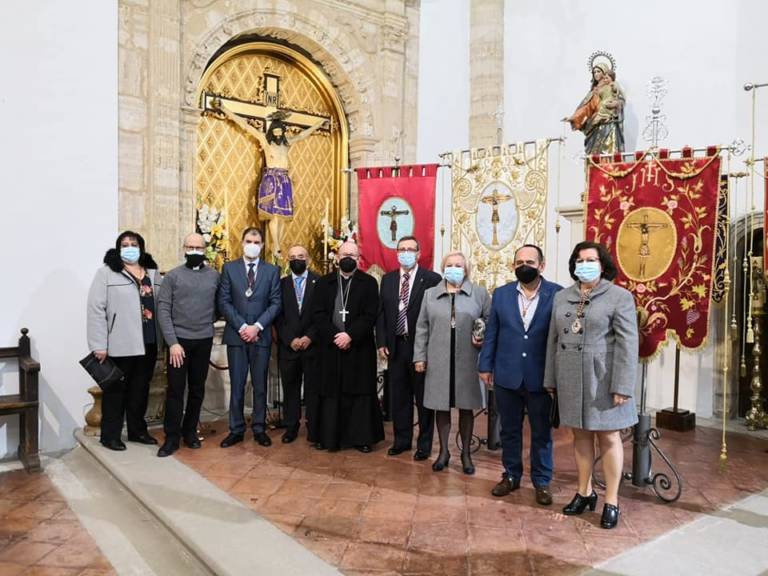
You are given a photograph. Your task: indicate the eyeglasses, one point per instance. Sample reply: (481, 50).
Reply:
(401, 250)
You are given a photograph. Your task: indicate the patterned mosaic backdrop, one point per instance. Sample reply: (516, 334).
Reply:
(499, 203)
(229, 163)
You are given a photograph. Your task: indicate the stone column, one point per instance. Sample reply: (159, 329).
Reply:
(486, 70)
(163, 134)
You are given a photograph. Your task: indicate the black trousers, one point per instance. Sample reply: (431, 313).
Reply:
(128, 400)
(193, 372)
(405, 386)
(296, 368)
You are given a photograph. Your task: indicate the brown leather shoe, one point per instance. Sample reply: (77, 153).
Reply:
(506, 486)
(543, 496)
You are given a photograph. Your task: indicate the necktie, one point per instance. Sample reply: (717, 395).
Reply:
(297, 284)
(402, 317)
(251, 274)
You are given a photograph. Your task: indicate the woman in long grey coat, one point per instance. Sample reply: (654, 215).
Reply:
(592, 356)
(122, 325)
(445, 348)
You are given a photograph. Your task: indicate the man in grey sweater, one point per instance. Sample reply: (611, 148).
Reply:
(186, 310)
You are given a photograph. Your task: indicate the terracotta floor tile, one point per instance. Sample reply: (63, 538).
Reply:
(73, 555)
(418, 562)
(329, 527)
(26, 552)
(6, 505)
(501, 564)
(447, 537)
(36, 509)
(288, 504)
(55, 531)
(385, 511)
(17, 526)
(50, 571)
(329, 550)
(10, 569)
(259, 487)
(288, 523)
(98, 572)
(348, 491)
(368, 556)
(388, 532)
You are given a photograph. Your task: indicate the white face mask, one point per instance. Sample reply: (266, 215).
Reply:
(252, 251)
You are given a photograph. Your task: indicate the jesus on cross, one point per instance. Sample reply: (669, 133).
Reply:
(644, 251)
(393, 213)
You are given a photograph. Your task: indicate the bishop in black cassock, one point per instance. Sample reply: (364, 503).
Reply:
(346, 305)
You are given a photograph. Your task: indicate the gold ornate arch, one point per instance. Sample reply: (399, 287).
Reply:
(228, 163)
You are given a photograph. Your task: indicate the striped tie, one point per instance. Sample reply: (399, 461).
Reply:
(402, 317)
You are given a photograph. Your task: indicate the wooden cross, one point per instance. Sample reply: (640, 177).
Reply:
(393, 213)
(270, 103)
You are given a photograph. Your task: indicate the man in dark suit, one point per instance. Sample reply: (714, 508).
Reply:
(296, 337)
(400, 298)
(249, 299)
(512, 361)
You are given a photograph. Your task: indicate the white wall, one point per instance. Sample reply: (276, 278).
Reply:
(58, 186)
(443, 97)
(706, 50)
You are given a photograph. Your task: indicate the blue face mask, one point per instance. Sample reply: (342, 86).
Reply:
(587, 271)
(406, 259)
(454, 275)
(130, 254)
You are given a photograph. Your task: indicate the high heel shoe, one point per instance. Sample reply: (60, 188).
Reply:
(610, 516)
(580, 503)
(441, 463)
(466, 464)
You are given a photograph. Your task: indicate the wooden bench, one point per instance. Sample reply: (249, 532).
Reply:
(25, 403)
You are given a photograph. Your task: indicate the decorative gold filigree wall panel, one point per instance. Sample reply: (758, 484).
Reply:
(499, 204)
(229, 163)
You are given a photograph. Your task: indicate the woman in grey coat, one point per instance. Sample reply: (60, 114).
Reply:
(592, 357)
(446, 349)
(122, 325)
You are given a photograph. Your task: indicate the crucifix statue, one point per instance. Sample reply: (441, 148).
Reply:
(645, 228)
(275, 195)
(495, 200)
(393, 213)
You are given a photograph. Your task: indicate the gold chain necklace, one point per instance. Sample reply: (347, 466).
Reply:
(577, 326)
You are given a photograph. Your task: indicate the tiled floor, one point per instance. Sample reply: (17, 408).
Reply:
(39, 534)
(383, 515)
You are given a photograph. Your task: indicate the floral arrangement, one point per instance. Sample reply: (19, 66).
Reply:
(211, 223)
(336, 237)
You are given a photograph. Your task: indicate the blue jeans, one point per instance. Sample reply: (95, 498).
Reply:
(511, 406)
(242, 359)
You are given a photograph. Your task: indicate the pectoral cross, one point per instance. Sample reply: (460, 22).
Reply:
(268, 103)
(494, 200)
(645, 228)
(393, 213)
(343, 313)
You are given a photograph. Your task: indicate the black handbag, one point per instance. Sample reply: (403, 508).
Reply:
(554, 412)
(106, 374)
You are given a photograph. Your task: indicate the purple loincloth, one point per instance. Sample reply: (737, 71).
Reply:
(275, 194)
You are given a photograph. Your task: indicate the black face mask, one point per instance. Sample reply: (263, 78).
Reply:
(347, 264)
(298, 267)
(194, 260)
(526, 274)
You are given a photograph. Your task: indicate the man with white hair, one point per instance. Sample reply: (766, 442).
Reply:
(186, 309)
(346, 305)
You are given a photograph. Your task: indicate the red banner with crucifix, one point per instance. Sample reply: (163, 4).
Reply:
(395, 202)
(658, 218)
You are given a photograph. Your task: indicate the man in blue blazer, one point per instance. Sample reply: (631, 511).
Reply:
(512, 361)
(249, 299)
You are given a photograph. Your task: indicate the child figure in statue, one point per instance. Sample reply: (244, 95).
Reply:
(600, 115)
(275, 196)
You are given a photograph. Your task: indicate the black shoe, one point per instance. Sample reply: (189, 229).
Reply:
(364, 448)
(543, 495)
(231, 440)
(192, 442)
(143, 439)
(466, 464)
(580, 503)
(262, 439)
(506, 486)
(289, 436)
(441, 463)
(168, 448)
(420, 455)
(116, 445)
(610, 517)
(396, 450)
